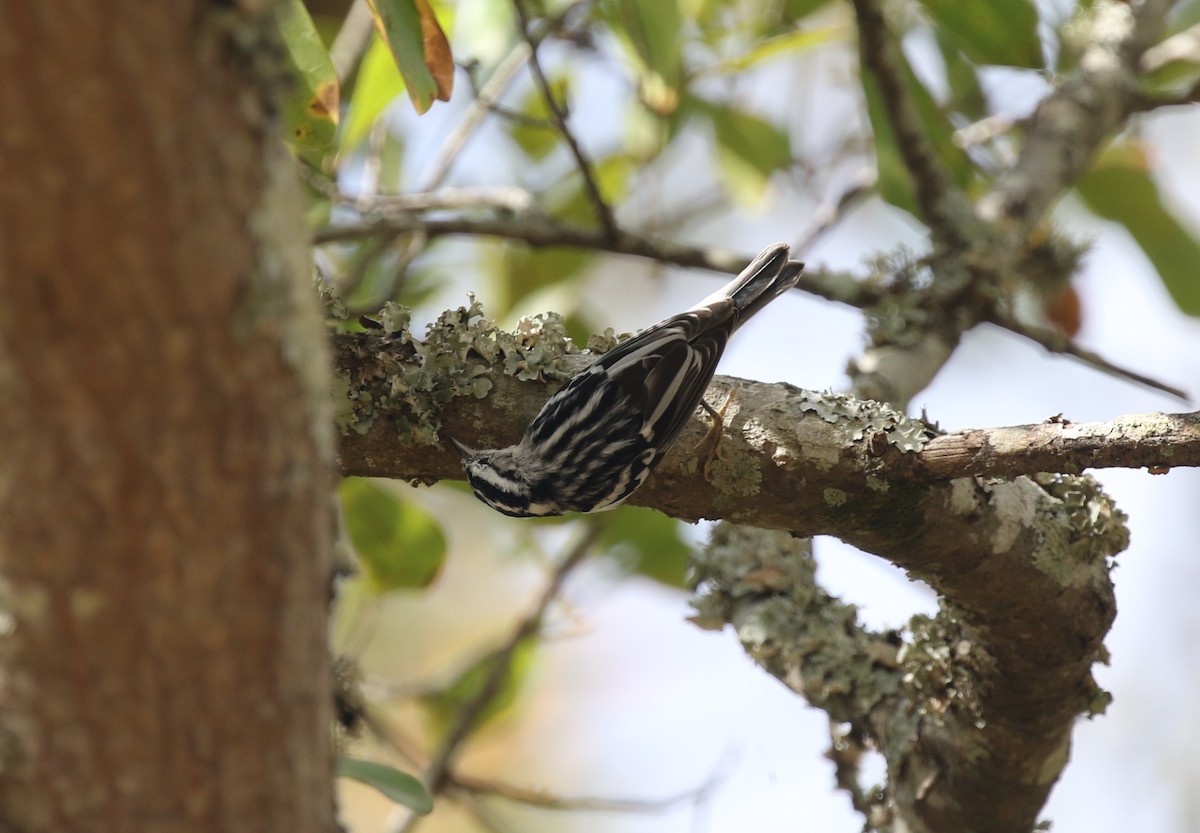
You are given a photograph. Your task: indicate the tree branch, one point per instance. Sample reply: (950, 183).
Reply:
(1026, 611)
(1071, 123)
(538, 230)
(1151, 441)
(942, 204)
(785, 450)
(559, 117)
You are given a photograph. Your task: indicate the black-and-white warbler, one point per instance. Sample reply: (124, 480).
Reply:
(596, 440)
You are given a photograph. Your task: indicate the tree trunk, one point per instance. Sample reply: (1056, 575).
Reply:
(165, 462)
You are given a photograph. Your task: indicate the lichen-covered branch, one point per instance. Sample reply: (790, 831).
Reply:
(789, 458)
(981, 716)
(1074, 120)
(973, 709)
(975, 264)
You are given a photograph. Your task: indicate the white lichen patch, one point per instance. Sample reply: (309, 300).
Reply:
(740, 475)
(458, 356)
(1015, 505)
(963, 498)
(866, 418)
(1081, 530)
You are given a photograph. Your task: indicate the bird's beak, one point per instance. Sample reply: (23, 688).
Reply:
(465, 450)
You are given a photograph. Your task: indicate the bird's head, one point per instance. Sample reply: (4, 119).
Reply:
(498, 479)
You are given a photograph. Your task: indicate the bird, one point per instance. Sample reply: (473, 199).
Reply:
(597, 439)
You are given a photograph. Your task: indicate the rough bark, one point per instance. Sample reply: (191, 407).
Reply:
(164, 483)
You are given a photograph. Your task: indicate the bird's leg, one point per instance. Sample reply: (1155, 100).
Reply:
(717, 429)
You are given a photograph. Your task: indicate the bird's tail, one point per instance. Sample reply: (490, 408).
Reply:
(766, 278)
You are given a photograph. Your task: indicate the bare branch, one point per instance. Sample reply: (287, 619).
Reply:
(558, 115)
(1071, 123)
(942, 204)
(1058, 342)
(538, 230)
(1152, 441)
(488, 95)
(438, 775)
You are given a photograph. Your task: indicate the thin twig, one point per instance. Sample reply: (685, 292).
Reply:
(491, 91)
(438, 775)
(548, 801)
(489, 94)
(829, 214)
(537, 230)
(943, 206)
(1057, 342)
(559, 117)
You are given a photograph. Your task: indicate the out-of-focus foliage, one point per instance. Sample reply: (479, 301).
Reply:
(1120, 188)
(311, 110)
(650, 33)
(648, 542)
(445, 705)
(1002, 32)
(412, 33)
(396, 785)
(399, 544)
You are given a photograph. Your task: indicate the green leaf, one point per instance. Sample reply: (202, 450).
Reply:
(378, 85)
(781, 46)
(1119, 188)
(538, 140)
(525, 270)
(400, 787)
(446, 705)
(794, 10)
(423, 62)
(650, 541)
(401, 546)
(966, 95)
(895, 183)
(749, 149)
(651, 31)
(1002, 32)
(310, 110)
